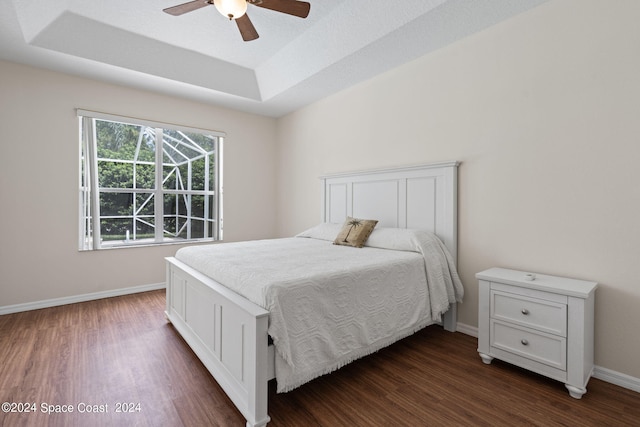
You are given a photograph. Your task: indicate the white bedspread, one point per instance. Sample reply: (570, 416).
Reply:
(332, 304)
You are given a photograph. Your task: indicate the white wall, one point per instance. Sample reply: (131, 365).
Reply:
(39, 259)
(542, 111)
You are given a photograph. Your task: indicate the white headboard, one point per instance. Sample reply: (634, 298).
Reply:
(423, 196)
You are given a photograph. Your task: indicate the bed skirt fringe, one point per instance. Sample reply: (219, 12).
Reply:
(294, 381)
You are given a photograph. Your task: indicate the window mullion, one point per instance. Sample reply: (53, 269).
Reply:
(134, 199)
(218, 200)
(159, 202)
(93, 183)
(85, 193)
(206, 197)
(189, 199)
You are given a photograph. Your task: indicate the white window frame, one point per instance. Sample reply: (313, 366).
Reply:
(89, 200)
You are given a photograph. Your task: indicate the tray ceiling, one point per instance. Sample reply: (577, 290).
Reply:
(201, 56)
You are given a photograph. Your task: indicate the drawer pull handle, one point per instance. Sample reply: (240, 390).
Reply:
(524, 342)
(525, 311)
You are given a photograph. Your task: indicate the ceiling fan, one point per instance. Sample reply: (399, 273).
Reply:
(236, 10)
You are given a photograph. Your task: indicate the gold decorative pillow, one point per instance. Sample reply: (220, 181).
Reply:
(355, 232)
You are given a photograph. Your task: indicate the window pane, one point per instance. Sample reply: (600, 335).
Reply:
(197, 229)
(179, 144)
(144, 204)
(121, 229)
(169, 177)
(198, 174)
(197, 206)
(116, 140)
(212, 172)
(147, 146)
(115, 229)
(144, 217)
(175, 204)
(145, 176)
(145, 229)
(189, 150)
(116, 204)
(134, 145)
(175, 214)
(115, 174)
(171, 155)
(183, 176)
(169, 227)
(118, 217)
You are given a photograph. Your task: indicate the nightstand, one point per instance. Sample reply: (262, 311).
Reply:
(538, 322)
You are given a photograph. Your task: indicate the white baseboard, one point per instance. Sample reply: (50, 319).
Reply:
(467, 330)
(604, 374)
(613, 377)
(16, 308)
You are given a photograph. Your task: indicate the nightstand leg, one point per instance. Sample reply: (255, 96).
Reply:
(486, 358)
(575, 392)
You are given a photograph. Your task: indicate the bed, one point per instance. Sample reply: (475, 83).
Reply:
(230, 333)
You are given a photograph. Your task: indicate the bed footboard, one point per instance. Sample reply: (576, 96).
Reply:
(228, 334)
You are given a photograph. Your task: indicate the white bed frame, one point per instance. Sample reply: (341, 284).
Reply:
(229, 333)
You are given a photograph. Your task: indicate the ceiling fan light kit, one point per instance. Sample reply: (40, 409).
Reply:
(236, 10)
(232, 9)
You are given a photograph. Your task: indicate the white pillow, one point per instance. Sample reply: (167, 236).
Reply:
(399, 239)
(323, 231)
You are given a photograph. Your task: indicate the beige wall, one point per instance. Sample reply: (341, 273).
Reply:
(542, 111)
(39, 259)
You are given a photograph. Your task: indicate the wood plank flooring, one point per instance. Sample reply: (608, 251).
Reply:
(121, 351)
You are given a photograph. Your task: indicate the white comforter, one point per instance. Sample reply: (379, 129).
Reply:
(332, 304)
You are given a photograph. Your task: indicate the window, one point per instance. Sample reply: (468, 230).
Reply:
(147, 183)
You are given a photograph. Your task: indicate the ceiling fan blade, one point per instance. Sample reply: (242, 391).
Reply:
(186, 7)
(247, 30)
(291, 7)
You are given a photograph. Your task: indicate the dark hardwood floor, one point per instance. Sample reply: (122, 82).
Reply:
(121, 354)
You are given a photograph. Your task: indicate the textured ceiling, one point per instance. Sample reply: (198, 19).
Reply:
(201, 56)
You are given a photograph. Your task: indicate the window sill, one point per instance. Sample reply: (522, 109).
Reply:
(121, 244)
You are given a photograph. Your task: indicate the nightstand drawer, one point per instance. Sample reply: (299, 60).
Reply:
(544, 348)
(542, 315)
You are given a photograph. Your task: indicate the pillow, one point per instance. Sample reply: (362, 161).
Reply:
(399, 239)
(404, 239)
(355, 232)
(324, 231)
